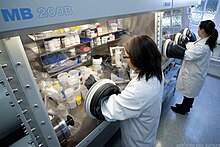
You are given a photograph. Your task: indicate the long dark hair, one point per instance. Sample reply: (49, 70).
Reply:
(209, 28)
(145, 56)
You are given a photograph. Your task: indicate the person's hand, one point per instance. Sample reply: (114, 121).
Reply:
(90, 81)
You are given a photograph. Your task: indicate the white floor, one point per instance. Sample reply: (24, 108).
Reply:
(199, 128)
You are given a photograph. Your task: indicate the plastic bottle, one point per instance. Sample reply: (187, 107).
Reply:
(62, 78)
(73, 82)
(88, 33)
(55, 92)
(114, 27)
(78, 100)
(83, 57)
(73, 72)
(57, 44)
(105, 39)
(70, 98)
(72, 40)
(77, 39)
(93, 34)
(72, 51)
(97, 64)
(98, 41)
(92, 44)
(67, 42)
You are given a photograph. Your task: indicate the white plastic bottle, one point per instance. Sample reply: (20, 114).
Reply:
(67, 42)
(72, 40)
(77, 39)
(73, 82)
(70, 98)
(97, 64)
(62, 78)
(98, 41)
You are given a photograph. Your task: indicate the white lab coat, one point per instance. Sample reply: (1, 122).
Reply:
(194, 68)
(138, 108)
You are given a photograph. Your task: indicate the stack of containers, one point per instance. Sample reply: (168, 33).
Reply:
(52, 45)
(73, 81)
(71, 86)
(74, 84)
(62, 78)
(70, 98)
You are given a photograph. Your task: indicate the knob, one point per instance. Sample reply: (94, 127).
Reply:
(29, 120)
(69, 121)
(9, 78)
(30, 141)
(33, 129)
(7, 93)
(2, 82)
(19, 101)
(24, 111)
(15, 90)
(4, 65)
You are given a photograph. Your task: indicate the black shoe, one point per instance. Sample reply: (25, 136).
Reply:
(179, 110)
(178, 105)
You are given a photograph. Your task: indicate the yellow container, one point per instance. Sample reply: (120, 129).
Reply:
(78, 100)
(59, 31)
(73, 28)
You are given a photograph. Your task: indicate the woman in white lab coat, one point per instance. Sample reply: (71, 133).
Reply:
(195, 65)
(138, 106)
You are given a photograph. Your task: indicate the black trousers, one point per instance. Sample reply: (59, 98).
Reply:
(187, 103)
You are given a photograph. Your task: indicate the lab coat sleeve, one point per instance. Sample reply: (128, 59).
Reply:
(194, 53)
(189, 44)
(122, 106)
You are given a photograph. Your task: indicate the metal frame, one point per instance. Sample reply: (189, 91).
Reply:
(158, 29)
(30, 107)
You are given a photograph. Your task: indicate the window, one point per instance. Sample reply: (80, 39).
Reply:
(206, 10)
(172, 18)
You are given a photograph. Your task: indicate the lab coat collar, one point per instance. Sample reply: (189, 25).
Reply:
(202, 41)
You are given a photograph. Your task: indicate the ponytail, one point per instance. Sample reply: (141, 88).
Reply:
(212, 40)
(209, 27)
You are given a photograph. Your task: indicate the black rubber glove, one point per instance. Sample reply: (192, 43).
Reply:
(188, 33)
(172, 50)
(183, 40)
(175, 51)
(90, 81)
